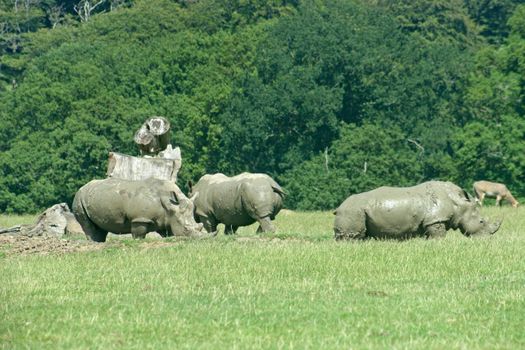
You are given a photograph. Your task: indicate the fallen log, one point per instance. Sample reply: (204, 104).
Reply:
(14, 229)
(55, 221)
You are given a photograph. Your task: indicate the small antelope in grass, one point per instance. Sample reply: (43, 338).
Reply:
(493, 190)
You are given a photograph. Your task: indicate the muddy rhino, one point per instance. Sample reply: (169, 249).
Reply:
(237, 201)
(134, 206)
(428, 210)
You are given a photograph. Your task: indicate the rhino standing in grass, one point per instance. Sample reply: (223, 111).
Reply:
(237, 201)
(428, 210)
(136, 207)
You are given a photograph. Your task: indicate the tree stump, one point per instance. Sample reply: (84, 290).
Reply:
(153, 136)
(127, 167)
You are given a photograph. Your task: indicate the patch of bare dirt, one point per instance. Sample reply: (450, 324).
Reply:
(158, 244)
(273, 240)
(24, 245)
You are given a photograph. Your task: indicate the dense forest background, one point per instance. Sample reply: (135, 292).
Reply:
(329, 97)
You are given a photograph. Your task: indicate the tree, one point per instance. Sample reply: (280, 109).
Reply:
(445, 21)
(491, 152)
(490, 145)
(86, 90)
(362, 159)
(85, 7)
(492, 16)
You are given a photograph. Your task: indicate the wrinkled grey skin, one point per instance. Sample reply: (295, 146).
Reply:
(428, 210)
(134, 206)
(237, 201)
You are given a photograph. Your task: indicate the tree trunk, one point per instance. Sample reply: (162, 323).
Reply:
(153, 136)
(127, 167)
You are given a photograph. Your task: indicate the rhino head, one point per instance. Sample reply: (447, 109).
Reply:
(179, 215)
(470, 221)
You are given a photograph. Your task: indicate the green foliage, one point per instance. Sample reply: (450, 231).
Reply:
(362, 158)
(280, 87)
(22, 21)
(90, 103)
(517, 22)
(214, 15)
(314, 70)
(491, 152)
(492, 16)
(435, 21)
(491, 145)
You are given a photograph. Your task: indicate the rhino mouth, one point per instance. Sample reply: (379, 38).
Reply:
(490, 229)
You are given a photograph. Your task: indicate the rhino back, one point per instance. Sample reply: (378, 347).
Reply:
(238, 200)
(217, 197)
(395, 212)
(392, 211)
(112, 204)
(261, 197)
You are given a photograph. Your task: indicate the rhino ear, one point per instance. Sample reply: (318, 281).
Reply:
(174, 199)
(169, 201)
(467, 196)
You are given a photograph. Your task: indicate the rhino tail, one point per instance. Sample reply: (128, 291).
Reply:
(81, 215)
(78, 208)
(279, 190)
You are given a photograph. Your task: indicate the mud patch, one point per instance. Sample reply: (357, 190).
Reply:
(23, 245)
(158, 244)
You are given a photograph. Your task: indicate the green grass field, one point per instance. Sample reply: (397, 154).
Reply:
(295, 289)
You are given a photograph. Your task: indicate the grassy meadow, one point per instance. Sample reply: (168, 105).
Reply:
(295, 289)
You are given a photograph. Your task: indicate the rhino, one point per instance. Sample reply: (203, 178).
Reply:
(237, 201)
(134, 206)
(497, 190)
(427, 210)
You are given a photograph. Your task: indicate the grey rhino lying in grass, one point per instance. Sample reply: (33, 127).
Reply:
(428, 209)
(237, 201)
(136, 207)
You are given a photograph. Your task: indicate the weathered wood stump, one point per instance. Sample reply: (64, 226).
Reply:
(153, 136)
(55, 221)
(165, 167)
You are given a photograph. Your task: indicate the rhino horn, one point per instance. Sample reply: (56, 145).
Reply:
(496, 226)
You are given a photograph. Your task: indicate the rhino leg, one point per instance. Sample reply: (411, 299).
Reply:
(139, 229)
(347, 235)
(210, 225)
(437, 230)
(230, 229)
(93, 232)
(265, 225)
